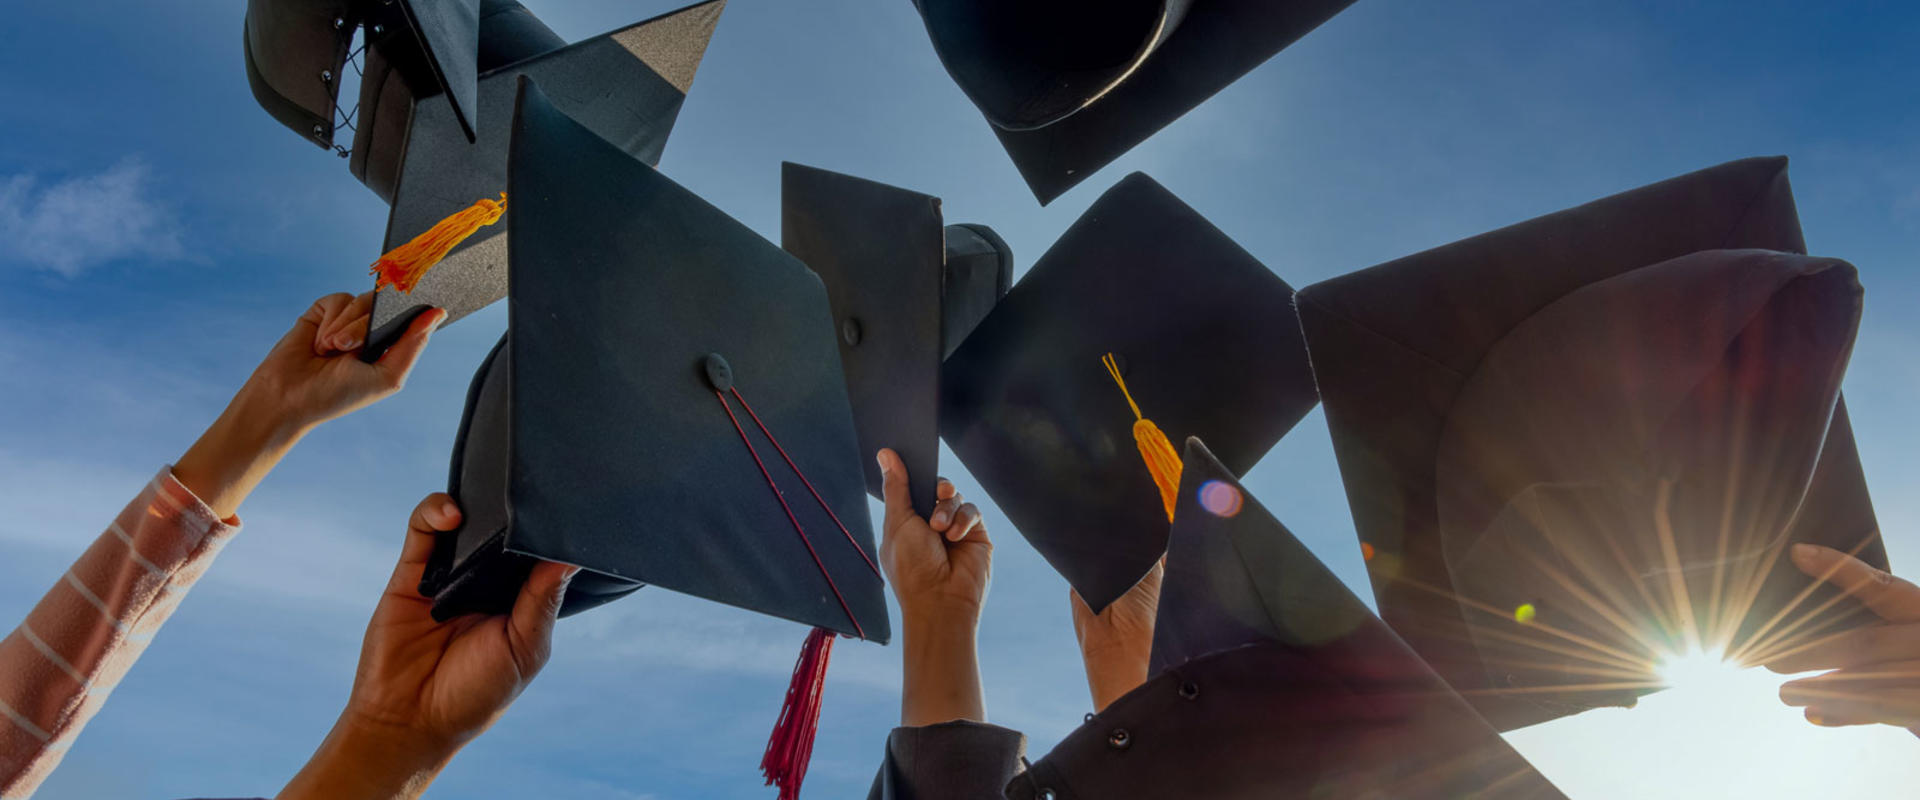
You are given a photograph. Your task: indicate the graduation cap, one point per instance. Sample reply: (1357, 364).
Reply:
(1272, 680)
(1578, 446)
(1204, 342)
(390, 81)
(1071, 85)
(644, 325)
(667, 408)
(295, 51)
(626, 86)
(905, 291)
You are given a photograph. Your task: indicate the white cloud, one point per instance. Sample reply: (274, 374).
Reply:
(84, 221)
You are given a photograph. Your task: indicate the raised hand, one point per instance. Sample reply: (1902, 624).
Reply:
(1876, 669)
(315, 370)
(424, 688)
(939, 570)
(313, 374)
(940, 565)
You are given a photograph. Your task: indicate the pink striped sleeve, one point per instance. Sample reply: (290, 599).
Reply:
(58, 666)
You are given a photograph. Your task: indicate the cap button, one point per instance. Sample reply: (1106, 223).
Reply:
(1189, 690)
(850, 332)
(719, 372)
(1119, 739)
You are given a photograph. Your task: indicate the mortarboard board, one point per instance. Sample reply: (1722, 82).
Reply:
(508, 33)
(905, 290)
(667, 407)
(1206, 341)
(1070, 85)
(626, 86)
(446, 38)
(1546, 430)
(1272, 680)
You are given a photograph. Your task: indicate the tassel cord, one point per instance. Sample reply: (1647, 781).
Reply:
(782, 497)
(1163, 462)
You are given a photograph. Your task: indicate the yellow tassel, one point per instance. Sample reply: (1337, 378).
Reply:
(1163, 462)
(404, 266)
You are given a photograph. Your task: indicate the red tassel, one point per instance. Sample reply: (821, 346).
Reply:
(790, 748)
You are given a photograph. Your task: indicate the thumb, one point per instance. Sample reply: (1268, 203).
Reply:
(530, 628)
(893, 490)
(395, 364)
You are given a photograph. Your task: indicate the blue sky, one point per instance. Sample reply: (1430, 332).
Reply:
(158, 231)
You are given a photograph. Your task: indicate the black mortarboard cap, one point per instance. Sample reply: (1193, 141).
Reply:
(1271, 679)
(1071, 85)
(1206, 340)
(626, 86)
(508, 33)
(674, 394)
(905, 291)
(1579, 445)
(446, 35)
(294, 52)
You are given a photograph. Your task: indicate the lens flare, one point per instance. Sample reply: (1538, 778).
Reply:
(1220, 498)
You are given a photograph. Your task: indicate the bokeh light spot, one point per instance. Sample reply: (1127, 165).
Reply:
(1220, 498)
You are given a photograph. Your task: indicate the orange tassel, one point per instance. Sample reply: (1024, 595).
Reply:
(1162, 460)
(404, 266)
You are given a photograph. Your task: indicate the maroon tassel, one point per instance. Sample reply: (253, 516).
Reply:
(790, 748)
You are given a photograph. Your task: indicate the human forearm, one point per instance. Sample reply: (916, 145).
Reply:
(83, 637)
(238, 450)
(942, 670)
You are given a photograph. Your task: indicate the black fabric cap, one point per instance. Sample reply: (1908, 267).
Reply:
(979, 273)
(884, 257)
(1273, 680)
(471, 569)
(1209, 346)
(289, 47)
(626, 86)
(1071, 85)
(1520, 416)
(508, 33)
(1236, 576)
(635, 307)
(447, 32)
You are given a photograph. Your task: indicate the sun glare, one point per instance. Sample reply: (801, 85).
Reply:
(1697, 671)
(1716, 730)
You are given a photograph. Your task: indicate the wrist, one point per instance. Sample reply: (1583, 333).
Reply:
(1101, 649)
(1114, 669)
(940, 613)
(260, 416)
(238, 450)
(941, 671)
(365, 760)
